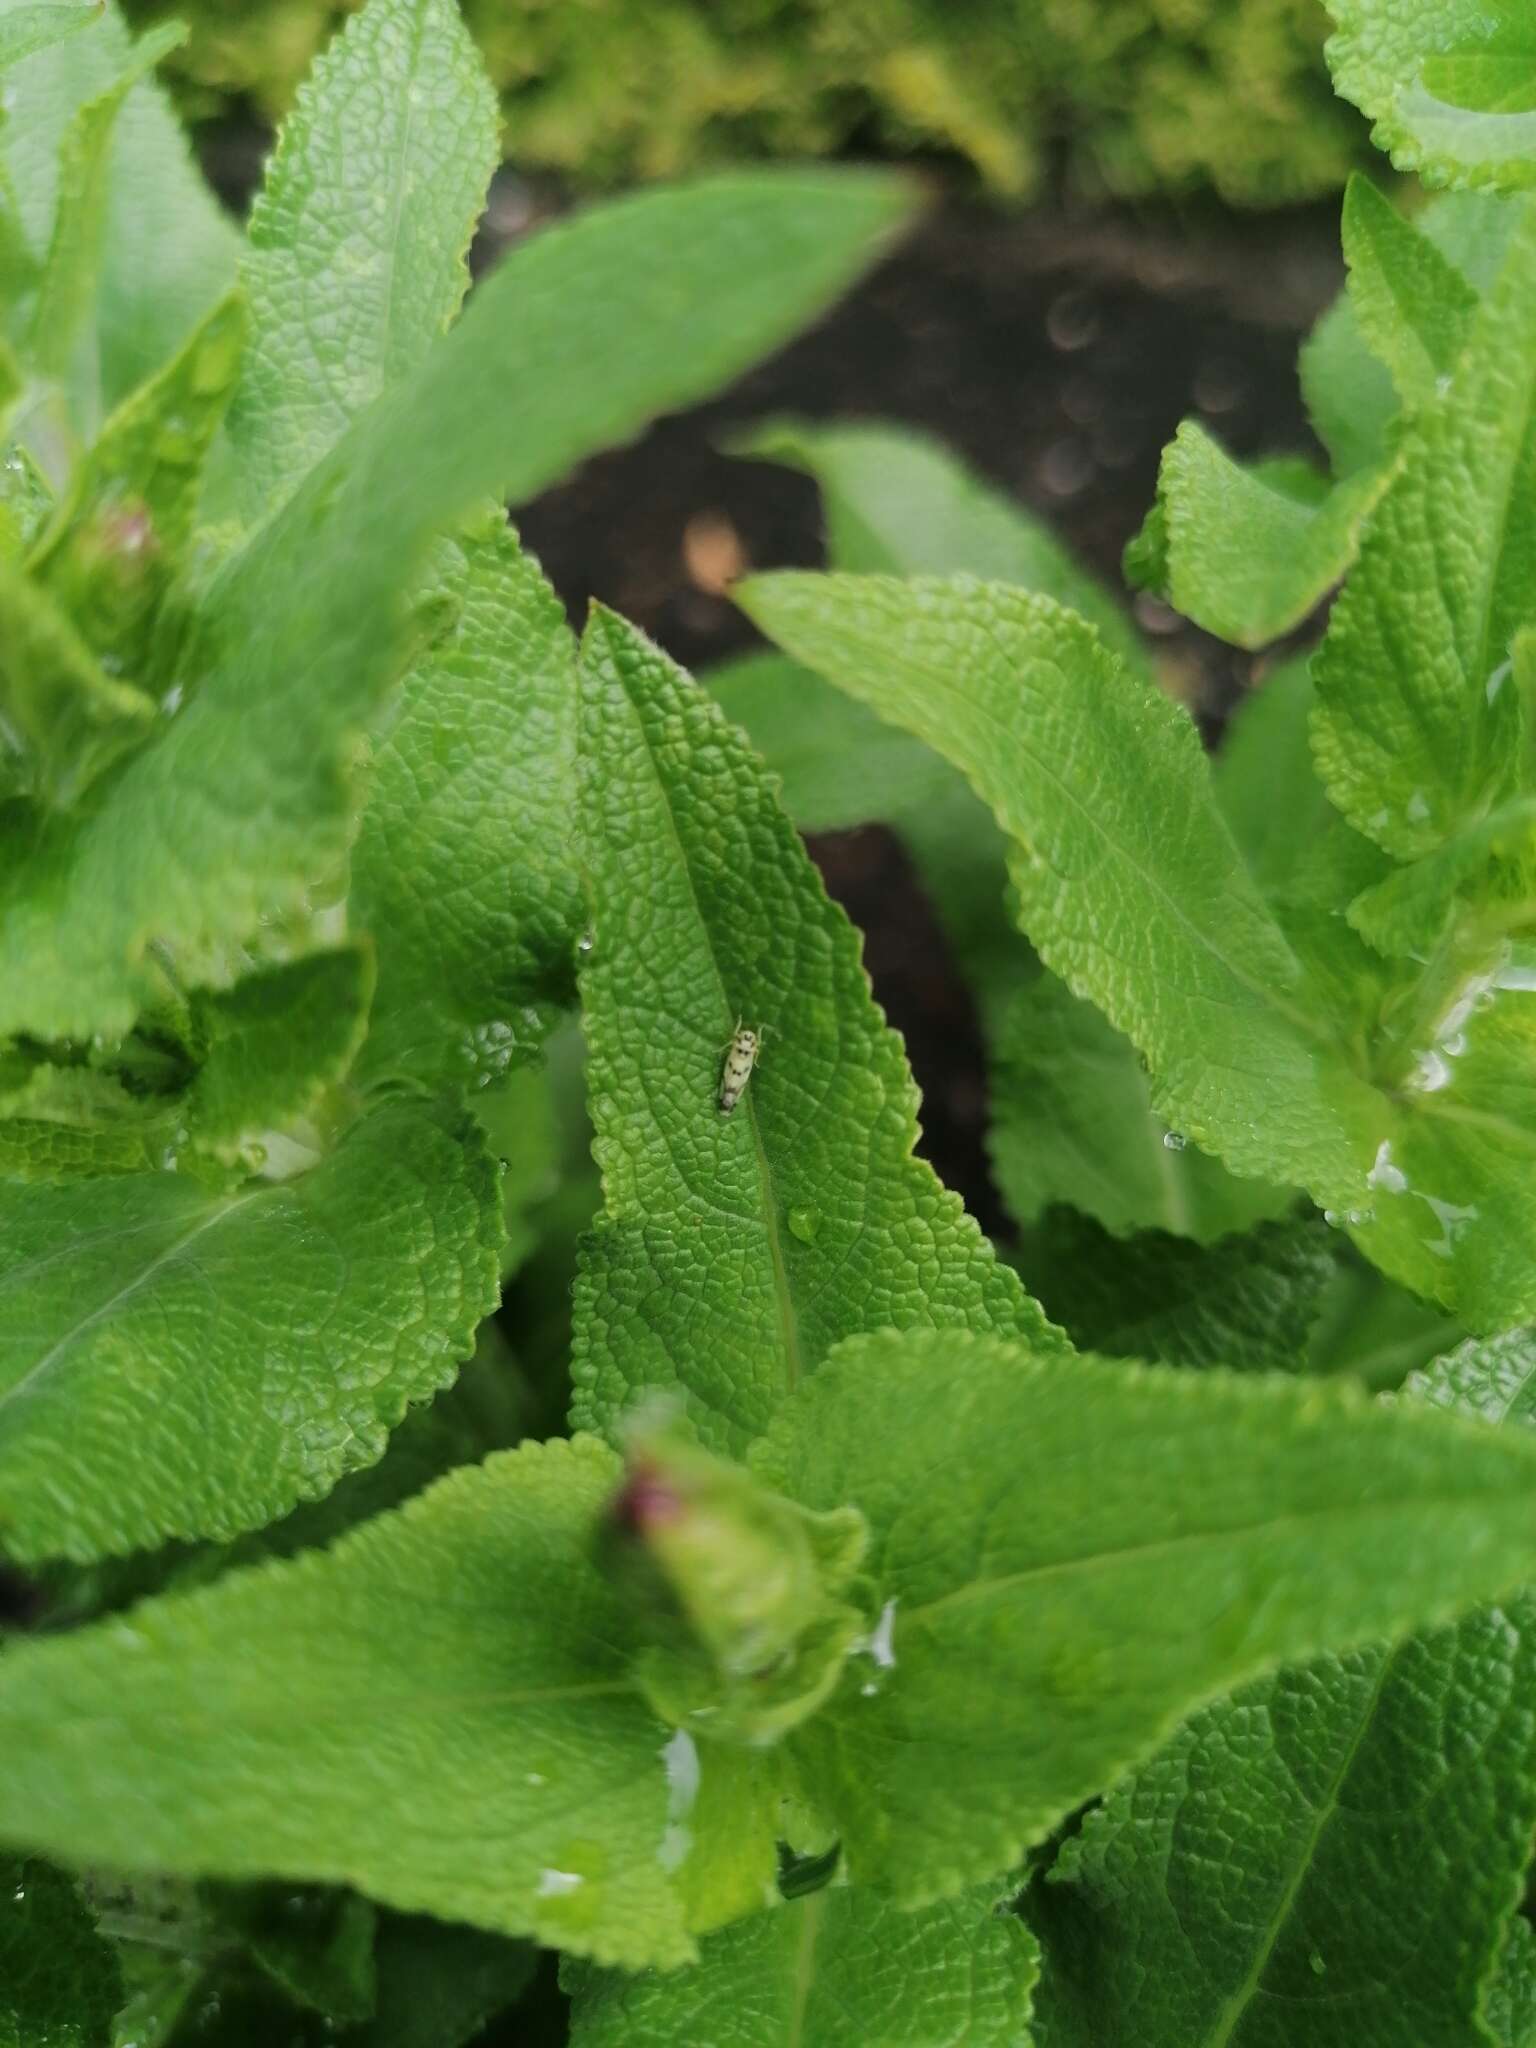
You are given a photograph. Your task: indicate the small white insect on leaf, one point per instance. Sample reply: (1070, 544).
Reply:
(740, 1059)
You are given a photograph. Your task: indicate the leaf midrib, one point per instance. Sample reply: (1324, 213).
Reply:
(1238, 2001)
(805, 1969)
(789, 1321)
(222, 1211)
(1345, 1511)
(944, 691)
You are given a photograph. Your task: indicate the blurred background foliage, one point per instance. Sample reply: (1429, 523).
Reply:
(1115, 98)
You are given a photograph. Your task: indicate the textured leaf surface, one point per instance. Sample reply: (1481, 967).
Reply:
(579, 336)
(1073, 1122)
(1247, 1301)
(61, 1122)
(1128, 880)
(840, 766)
(275, 1040)
(841, 1969)
(1079, 1553)
(1248, 553)
(168, 251)
(356, 245)
(463, 872)
(1415, 731)
(442, 1699)
(1509, 2005)
(181, 1363)
(1413, 304)
(1450, 85)
(59, 1981)
(1328, 1859)
(899, 504)
(735, 1250)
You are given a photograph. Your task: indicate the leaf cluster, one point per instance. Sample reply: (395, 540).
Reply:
(911, 1640)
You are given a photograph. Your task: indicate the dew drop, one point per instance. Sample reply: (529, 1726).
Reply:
(881, 1644)
(680, 1757)
(804, 1224)
(1319, 1967)
(585, 943)
(1384, 1174)
(558, 1884)
(1174, 1141)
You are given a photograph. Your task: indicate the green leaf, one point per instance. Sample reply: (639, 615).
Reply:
(1450, 86)
(275, 1041)
(63, 719)
(68, 1122)
(176, 1362)
(437, 1985)
(1247, 1301)
(463, 871)
(1406, 913)
(1509, 1998)
(841, 1969)
(442, 1698)
(1071, 1555)
(579, 336)
(168, 252)
(896, 502)
(1073, 1123)
(899, 504)
(316, 1945)
(355, 250)
(30, 28)
(67, 284)
(123, 528)
(518, 1116)
(1331, 1856)
(840, 766)
(1248, 553)
(1128, 880)
(735, 1250)
(49, 1149)
(1452, 1209)
(1415, 307)
(1266, 786)
(1348, 392)
(1414, 732)
(59, 1981)
(1374, 1331)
